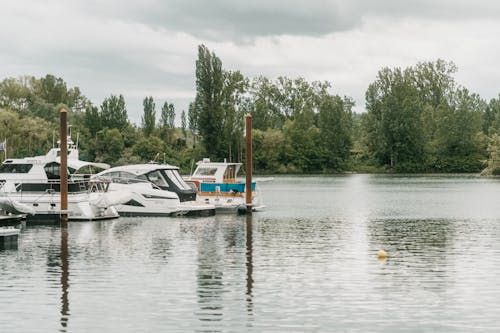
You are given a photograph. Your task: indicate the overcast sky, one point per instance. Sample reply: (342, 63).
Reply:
(149, 47)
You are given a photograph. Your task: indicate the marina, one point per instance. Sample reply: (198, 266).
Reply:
(309, 262)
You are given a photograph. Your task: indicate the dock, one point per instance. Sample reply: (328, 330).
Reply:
(8, 238)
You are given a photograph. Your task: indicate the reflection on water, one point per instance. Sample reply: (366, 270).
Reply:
(249, 262)
(209, 277)
(306, 264)
(64, 279)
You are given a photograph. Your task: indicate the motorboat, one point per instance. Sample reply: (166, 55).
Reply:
(217, 184)
(156, 190)
(31, 185)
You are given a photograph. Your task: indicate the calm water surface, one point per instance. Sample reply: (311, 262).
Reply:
(307, 264)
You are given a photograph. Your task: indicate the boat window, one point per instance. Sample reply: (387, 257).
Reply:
(53, 170)
(156, 178)
(15, 168)
(127, 175)
(205, 171)
(230, 172)
(87, 170)
(111, 174)
(177, 179)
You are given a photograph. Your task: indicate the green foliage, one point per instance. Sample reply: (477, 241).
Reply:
(418, 120)
(335, 124)
(92, 119)
(149, 149)
(38, 97)
(207, 106)
(167, 115)
(494, 156)
(492, 117)
(108, 145)
(149, 117)
(396, 131)
(268, 147)
(114, 113)
(25, 136)
(183, 122)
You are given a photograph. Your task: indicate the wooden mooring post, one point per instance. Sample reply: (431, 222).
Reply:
(63, 118)
(249, 162)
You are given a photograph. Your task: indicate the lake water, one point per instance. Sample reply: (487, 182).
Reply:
(306, 264)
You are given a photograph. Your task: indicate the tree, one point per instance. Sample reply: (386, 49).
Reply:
(183, 123)
(302, 143)
(335, 125)
(235, 86)
(108, 145)
(25, 136)
(457, 135)
(208, 102)
(491, 119)
(167, 116)
(494, 156)
(394, 110)
(114, 113)
(148, 148)
(92, 119)
(149, 117)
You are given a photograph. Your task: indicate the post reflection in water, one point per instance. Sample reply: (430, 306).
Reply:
(209, 280)
(249, 262)
(64, 279)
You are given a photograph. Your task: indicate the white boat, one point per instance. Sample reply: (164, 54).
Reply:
(217, 184)
(156, 190)
(31, 185)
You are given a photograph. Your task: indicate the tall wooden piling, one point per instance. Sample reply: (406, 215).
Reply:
(249, 162)
(63, 118)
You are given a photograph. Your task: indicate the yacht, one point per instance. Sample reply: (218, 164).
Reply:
(31, 185)
(156, 190)
(217, 184)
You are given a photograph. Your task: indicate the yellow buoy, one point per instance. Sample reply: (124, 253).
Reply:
(382, 254)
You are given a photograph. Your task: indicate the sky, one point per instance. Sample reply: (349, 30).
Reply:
(149, 47)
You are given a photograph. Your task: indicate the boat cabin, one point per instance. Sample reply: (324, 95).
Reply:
(217, 177)
(42, 173)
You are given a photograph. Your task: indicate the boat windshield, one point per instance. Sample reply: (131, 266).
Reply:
(177, 179)
(156, 178)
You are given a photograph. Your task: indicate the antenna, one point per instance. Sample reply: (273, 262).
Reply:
(192, 162)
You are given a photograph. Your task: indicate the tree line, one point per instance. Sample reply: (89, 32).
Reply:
(417, 119)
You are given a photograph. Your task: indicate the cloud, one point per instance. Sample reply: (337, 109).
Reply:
(242, 20)
(149, 47)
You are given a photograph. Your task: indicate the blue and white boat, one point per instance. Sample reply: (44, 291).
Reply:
(217, 184)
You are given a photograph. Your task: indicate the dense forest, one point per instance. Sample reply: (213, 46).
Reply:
(417, 119)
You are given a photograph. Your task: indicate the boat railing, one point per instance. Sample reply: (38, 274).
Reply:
(53, 185)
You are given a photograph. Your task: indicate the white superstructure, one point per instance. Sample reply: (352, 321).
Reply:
(156, 190)
(31, 185)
